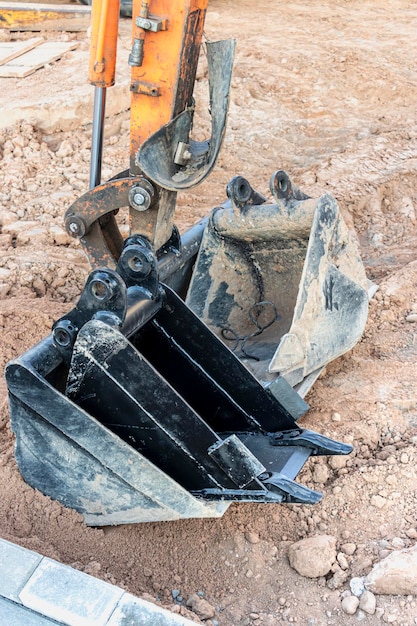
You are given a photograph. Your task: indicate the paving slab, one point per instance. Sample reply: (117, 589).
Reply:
(132, 611)
(70, 596)
(12, 614)
(16, 566)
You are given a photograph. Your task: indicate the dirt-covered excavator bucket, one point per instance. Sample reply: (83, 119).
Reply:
(282, 284)
(136, 409)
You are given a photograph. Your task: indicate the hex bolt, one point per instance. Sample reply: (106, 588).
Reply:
(139, 198)
(141, 195)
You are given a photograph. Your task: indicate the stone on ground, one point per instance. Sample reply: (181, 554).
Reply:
(350, 605)
(367, 602)
(395, 575)
(201, 607)
(313, 557)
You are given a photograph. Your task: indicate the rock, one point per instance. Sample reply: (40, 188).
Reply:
(349, 548)
(367, 602)
(337, 580)
(379, 612)
(313, 557)
(7, 217)
(395, 575)
(378, 502)
(14, 228)
(398, 543)
(59, 235)
(65, 149)
(320, 473)
(337, 462)
(357, 585)
(389, 618)
(361, 566)
(252, 537)
(93, 568)
(4, 273)
(4, 290)
(201, 607)
(342, 560)
(350, 605)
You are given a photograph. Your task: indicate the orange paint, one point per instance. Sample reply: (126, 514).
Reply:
(168, 67)
(103, 46)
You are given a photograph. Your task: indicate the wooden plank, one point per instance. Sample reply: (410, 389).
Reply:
(31, 61)
(9, 50)
(25, 16)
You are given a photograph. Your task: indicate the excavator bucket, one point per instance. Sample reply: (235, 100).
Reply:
(175, 385)
(133, 410)
(283, 284)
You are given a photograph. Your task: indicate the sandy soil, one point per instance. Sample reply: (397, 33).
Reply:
(325, 90)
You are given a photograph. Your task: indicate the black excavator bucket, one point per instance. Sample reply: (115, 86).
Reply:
(133, 410)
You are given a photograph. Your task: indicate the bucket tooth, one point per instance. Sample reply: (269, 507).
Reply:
(316, 443)
(292, 492)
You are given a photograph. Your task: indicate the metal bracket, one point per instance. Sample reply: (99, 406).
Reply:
(236, 460)
(146, 89)
(170, 157)
(152, 23)
(242, 195)
(104, 297)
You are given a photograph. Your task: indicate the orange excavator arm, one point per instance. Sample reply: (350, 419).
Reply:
(166, 41)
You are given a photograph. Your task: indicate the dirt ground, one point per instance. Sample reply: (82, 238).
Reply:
(326, 90)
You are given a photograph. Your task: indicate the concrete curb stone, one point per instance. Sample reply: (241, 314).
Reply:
(38, 591)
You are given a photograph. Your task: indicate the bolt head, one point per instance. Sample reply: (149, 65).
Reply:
(139, 198)
(75, 226)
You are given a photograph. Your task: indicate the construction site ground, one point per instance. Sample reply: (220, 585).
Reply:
(326, 90)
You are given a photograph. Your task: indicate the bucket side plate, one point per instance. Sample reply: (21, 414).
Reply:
(70, 456)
